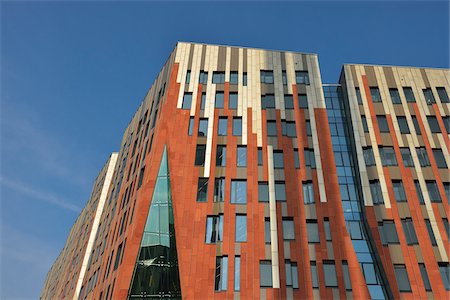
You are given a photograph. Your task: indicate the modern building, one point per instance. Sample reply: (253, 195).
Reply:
(242, 175)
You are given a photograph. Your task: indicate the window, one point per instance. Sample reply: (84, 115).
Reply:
(429, 98)
(238, 191)
(267, 230)
(271, 128)
(425, 279)
(233, 101)
(314, 277)
(409, 95)
(141, 176)
(402, 278)
(382, 124)
(219, 100)
(288, 128)
(302, 101)
(296, 159)
(218, 77)
(416, 125)
(308, 192)
(118, 255)
(399, 191)
(423, 157)
(419, 192)
(267, 101)
(403, 125)
(291, 274)
(433, 191)
(263, 192)
(237, 273)
(406, 157)
(265, 273)
(326, 225)
(191, 126)
(310, 160)
(223, 126)
(444, 269)
(368, 156)
(355, 230)
(440, 160)
(329, 271)
(346, 273)
(446, 121)
(260, 156)
(280, 191)
(266, 77)
(388, 156)
(203, 78)
(221, 156)
(241, 156)
(200, 155)
(446, 226)
(221, 273)
(202, 190)
(219, 189)
(358, 95)
(214, 229)
(447, 190)
(388, 233)
(301, 77)
(395, 96)
(237, 126)
(369, 274)
(188, 77)
(187, 100)
(364, 124)
(244, 79)
(308, 128)
(203, 127)
(313, 231)
(410, 233)
(442, 94)
(278, 162)
(234, 77)
(434, 125)
(203, 101)
(288, 102)
(241, 228)
(288, 229)
(375, 94)
(284, 77)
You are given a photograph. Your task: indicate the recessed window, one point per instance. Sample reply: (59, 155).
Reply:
(425, 279)
(439, 157)
(409, 95)
(267, 101)
(443, 94)
(237, 273)
(423, 157)
(288, 128)
(444, 269)
(446, 226)
(221, 280)
(301, 77)
(329, 271)
(368, 156)
(388, 233)
(402, 278)
(388, 156)
(203, 77)
(241, 158)
(271, 128)
(399, 191)
(241, 228)
(291, 274)
(375, 191)
(430, 232)
(419, 192)
(233, 101)
(238, 191)
(433, 191)
(326, 225)
(200, 155)
(308, 128)
(375, 94)
(263, 192)
(234, 77)
(302, 101)
(313, 231)
(284, 77)
(203, 127)
(219, 100)
(429, 97)
(280, 191)
(203, 101)
(296, 159)
(237, 126)
(288, 102)
(223, 126)
(188, 77)
(244, 79)
(434, 125)
(310, 160)
(308, 192)
(278, 161)
(191, 126)
(358, 95)
(406, 157)
(410, 232)
(446, 121)
(266, 77)
(447, 190)
(395, 96)
(266, 230)
(314, 277)
(219, 189)
(403, 125)
(288, 229)
(214, 229)
(265, 273)
(202, 190)
(260, 156)
(382, 124)
(218, 77)
(346, 273)
(187, 100)
(364, 124)
(416, 125)
(221, 156)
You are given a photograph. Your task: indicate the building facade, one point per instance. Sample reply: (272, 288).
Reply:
(242, 175)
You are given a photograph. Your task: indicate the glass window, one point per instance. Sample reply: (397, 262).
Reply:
(447, 190)
(237, 273)
(368, 156)
(288, 229)
(266, 77)
(403, 125)
(203, 101)
(416, 125)
(444, 269)
(203, 77)
(388, 233)
(399, 191)
(260, 156)
(265, 273)
(440, 160)
(434, 125)
(267, 230)
(313, 231)
(219, 189)
(308, 192)
(314, 277)
(423, 157)
(402, 278)
(203, 127)
(446, 226)
(375, 94)
(443, 94)
(410, 232)
(326, 225)
(272, 128)
(429, 98)
(301, 77)
(241, 156)
(409, 95)
(296, 159)
(388, 156)
(237, 126)
(406, 157)
(214, 229)
(191, 126)
(364, 124)
(241, 228)
(233, 101)
(308, 128)
(238, 191)
(395, 96)
(433, 191)
(200, 155)
(202, 190)
(187, 100)
(280, 191)
(382, 124)
(302, 101)
(346, 273)
(291, 274)
(219, 100)
(419, 192)
(369, 274)
(310, 160)
(221, 274)
(425, 279)
(218, 77)
(446, 121)
(221, 156)
(263, 192)
(358, 95)
(329, 270)
(223, 126)
(288, 102)
(267, 101)
(288, 128)
(244, 79)
(278, 161)
(284, 77)
(233, 77)
(188, 77)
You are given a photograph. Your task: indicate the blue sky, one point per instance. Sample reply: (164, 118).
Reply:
(73, 74)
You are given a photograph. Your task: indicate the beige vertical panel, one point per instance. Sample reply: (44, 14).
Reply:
(383, 87)
(227, 64)
(358, 134)
(255, 92)
(209, 107)
(290, 70)
(242, 96)
(278, 84)
(273, 220)
(298, 61)
(183, 66)
(195, 72)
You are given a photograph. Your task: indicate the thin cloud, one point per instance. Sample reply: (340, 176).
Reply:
(40, 195)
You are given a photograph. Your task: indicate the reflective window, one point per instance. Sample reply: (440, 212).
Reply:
(364, 124)
(446, 121)
(219, 189)
(382, 124)
(241, 228)
(284, 77)
(416, 125)
(241, 158)
(296, 159)
(406, 157)
(291, 274)
(308, 192)
(310, 160)
(202, 190)
(219, 100)
(433, 191)
(221, 274)
(234, 77)
(267, 230)
(313, 231)
(395, 96)
(440, 160)
(221, 156)
(288, 229)
(278, 162)
(263, 192)
(423, 157)
(419, 192)
(191, 126)
(443, 94)
(368, 156)
(375, 94)
(403, 125)
(260, 156)
(214, 229)
(301, 77)
(345, 271)
(402, 278)
(203, 101)
(409, 95)
(218, 77)
(329, 271)
(271, 128)
(388, 156)
(302, 101)
(288, 102)
(429, 97)
(388, 233)
(326, 225)
(188, 77)
(447, 190)
(358, 95)
(425, 279)
(446, 226)
(314, 277)
(233, 101)
(223, 126)
(266, 77)
(288, 128)
(268, 101)
(237, 273)
(444, 269)
(410, 232)
(237, 126)
(280, 191)
(203, 77)
(200, 155)
(308, 128)
(265, 273)
(434, 125)
(187, 100)
(238, 191)
(244, 79)
(399, 191)
(203, 127)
